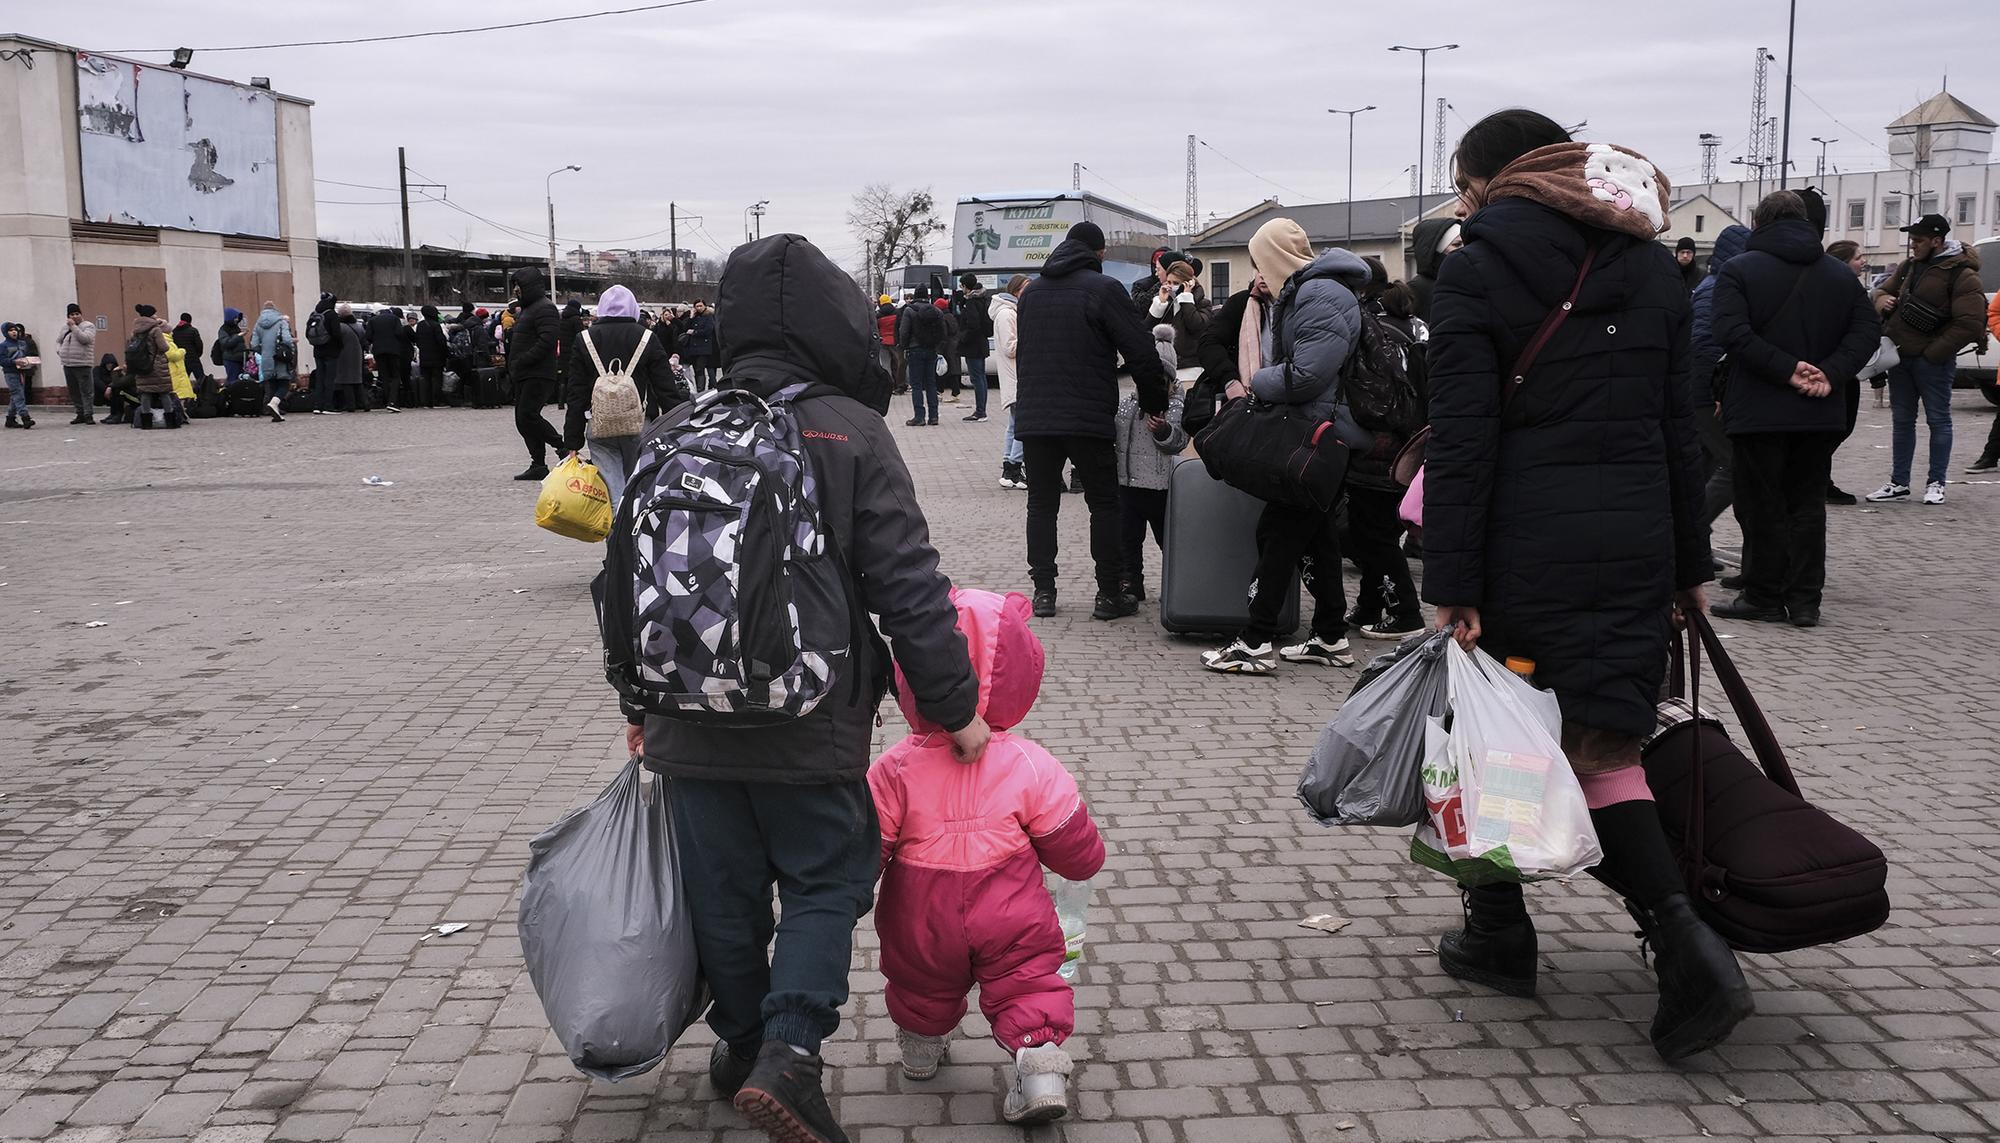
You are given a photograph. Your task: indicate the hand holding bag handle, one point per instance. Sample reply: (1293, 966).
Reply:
(1410, 457)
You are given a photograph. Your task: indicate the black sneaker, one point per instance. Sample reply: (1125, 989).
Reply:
(1731, 582)
(975, 418)
(1835, 494)
(915, 423)
(1136, 588)
(1114, 605)
(1802, 616)
(1743, 607)
(1984, 464)
(1045, 602)
(727, 1070)
(1394, 627)
(782, 1097)
(534, 472)
(932, 422)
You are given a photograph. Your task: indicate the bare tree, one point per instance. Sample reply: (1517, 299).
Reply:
(896, 225)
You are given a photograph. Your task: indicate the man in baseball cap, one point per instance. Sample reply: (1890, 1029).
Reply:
(1932, 307)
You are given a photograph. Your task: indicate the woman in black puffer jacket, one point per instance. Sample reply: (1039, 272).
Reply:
(1566, 526)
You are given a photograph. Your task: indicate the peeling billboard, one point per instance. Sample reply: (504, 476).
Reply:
(163, 148)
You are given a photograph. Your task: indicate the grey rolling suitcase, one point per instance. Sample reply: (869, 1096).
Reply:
(1211, 555)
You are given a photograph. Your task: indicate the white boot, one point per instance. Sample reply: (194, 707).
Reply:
(922, 1055)
(1040, 1091)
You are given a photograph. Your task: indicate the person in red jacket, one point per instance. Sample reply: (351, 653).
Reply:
(885, 327)
(963, 846)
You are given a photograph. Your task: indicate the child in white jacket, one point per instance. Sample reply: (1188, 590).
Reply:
(1147, 446)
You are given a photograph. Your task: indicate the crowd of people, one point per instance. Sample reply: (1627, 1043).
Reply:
(1571, 471)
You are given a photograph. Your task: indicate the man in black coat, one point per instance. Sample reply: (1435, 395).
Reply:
(1797, 326)
(920, 330)
(391, 341)
(531, 366)
(1075, 323)
(790, 802)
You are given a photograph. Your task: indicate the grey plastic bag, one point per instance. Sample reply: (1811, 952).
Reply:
(606, 934)
(1366, 768)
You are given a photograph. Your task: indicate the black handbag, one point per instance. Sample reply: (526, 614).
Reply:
(1276, 453)
(1767, 870)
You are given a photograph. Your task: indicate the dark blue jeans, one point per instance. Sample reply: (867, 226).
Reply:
(1911, 380)
(975, 368)
(821, 847)
(922, 367)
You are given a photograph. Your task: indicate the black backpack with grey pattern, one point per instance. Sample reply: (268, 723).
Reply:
(723, 598)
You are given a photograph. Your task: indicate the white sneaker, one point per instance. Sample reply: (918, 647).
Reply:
(1039, 1092)
(1934, 492)
(391, 409)
(275, 405)
(922, 1055)
(1889, 492)
(1317, 650)
(1240, 658)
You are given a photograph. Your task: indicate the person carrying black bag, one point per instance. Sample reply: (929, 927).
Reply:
(1797, 327)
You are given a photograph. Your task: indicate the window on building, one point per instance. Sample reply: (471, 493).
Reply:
(1968, 206)
(1927, 203)
(1857, 213)
(1218, 280)
(1892, 213)
(1700, 221)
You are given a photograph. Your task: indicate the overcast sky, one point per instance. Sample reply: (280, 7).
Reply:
(802, 102)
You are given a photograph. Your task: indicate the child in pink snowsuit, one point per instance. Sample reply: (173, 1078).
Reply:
(962, 898)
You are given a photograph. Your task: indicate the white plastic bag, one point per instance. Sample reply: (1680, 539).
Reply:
(1885, 359)
(1501, 802)
(606, 933)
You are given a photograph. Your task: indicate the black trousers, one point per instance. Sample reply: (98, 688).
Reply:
(430, 383)
(1781, 505)
(1291, 538)
(1716, 456)
(530, 396)
(1096, 463)
(819, 846)
(1375, 531)
(1139, 509)
(1992, 449)
(395, 373)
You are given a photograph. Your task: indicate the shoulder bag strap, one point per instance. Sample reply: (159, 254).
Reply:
(1550, 325)
(645, 339)
(1756, 728)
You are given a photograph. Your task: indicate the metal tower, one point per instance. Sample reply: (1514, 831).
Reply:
(1416, 180)
(1440, 177)
(1761, 135)
(1191, 221)
(1076, 176)
(1709, 144)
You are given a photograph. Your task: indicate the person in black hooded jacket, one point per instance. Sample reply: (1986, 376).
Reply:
(1797, 327)
(790, 802)
(433, 348)
(1075, 322)
(389, 339)
(1564, 526)
(531, 366)
(1430, 241)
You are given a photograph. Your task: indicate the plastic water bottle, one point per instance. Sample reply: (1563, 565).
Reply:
(1072, 899)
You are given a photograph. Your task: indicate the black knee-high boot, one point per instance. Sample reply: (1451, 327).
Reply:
(1497, 946)
(1703, 995)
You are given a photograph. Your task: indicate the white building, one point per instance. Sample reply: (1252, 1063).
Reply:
(123, 182)
(1940, 162)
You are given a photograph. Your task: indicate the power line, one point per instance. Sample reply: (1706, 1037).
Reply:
(417, 35)
(1864, 136)
(356, 186)
(355, 202)
(1123, 191)
(1253, 174)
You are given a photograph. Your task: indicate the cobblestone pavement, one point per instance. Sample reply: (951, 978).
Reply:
(319, 717)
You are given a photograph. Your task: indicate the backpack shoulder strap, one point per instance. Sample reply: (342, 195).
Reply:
(590, 347)
(645, 339)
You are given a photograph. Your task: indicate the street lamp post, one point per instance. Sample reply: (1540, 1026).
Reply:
(1423, 79)
(1350, 162)
(756, 209)
(1819, 172)
(548, 191)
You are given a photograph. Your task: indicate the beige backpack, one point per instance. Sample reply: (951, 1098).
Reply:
(616, 409)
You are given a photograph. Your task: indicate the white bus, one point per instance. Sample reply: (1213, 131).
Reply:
(998, 236)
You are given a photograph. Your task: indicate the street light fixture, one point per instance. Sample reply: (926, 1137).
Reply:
(1350, 162)
(548, 189)
(1820, 172)
(756, 209)
(1423, 78)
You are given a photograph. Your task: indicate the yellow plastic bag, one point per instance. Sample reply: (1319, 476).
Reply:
(177, 370)
(574, 502)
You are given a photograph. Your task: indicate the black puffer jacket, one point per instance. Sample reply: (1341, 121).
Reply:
(531, 348)
(387, 335)
(1075, 323)
(616, 339)
(433, 347)
(1572, 518)
(1424, 239)
(793, 316)
(1785, 301)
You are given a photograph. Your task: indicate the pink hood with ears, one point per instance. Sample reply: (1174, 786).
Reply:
(1006, 657)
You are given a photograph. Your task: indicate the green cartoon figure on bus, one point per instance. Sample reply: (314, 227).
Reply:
(983, 239)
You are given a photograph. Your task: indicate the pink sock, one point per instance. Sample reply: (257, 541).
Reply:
(1625, 784)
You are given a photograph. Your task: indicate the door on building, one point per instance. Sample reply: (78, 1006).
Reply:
(248, 290)
(107, 295)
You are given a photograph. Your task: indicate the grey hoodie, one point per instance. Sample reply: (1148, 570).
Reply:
(271, 331)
